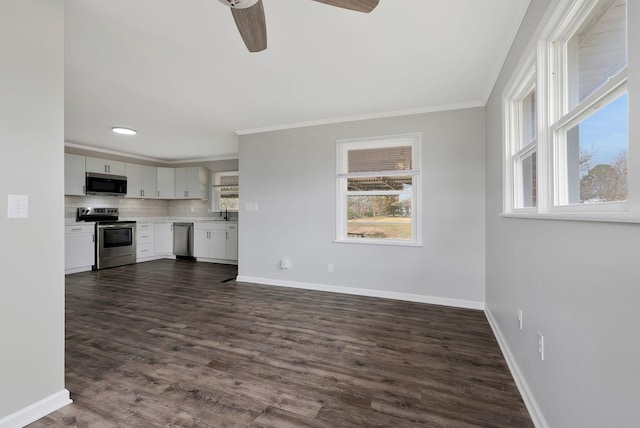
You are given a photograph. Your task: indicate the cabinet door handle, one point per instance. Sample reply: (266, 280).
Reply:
(84, 189)
(76, 228)
(158, 193)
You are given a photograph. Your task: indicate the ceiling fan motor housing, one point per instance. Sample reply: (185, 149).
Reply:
(239, 4)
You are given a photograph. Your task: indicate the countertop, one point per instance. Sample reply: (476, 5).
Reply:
(72, 221)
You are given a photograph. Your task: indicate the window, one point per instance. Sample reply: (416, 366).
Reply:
(378, 182)
(523, 139)
(226, 191)
(567, 152)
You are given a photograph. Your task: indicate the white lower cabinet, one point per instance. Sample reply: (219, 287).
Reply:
(232, 241)
(79, 248)
(163, 239)
(145, 242)
(210, 241)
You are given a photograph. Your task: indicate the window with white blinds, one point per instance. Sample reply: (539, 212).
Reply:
(377, 182)
(226, 186)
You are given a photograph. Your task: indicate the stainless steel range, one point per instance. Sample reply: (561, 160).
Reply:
(115, 240)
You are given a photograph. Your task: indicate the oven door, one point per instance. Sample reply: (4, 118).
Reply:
(116, 245)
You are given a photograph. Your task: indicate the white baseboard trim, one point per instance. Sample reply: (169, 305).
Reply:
(37, 410)
(527, 395)
(219, 261)
(443, 301)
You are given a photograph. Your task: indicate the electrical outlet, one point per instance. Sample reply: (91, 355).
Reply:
(520, 318)
(330, 267)
(541, 345)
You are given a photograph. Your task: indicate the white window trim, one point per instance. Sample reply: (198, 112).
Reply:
(524, 83)
(414, 140)
(546, 57)
(215, 199)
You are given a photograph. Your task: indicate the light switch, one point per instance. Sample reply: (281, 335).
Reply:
(18, 206)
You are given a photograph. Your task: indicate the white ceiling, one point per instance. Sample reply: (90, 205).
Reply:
(179, 73)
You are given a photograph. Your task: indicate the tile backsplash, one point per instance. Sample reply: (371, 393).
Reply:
(141, 208)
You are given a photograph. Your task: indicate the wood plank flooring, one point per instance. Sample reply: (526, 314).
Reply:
(169, 344)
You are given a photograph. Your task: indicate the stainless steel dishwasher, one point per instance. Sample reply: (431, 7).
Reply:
(183, 240)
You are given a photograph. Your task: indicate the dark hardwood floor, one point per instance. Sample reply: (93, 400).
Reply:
(170, 344)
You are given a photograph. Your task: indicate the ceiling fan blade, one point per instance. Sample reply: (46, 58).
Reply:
(357, 5)
(252, 26)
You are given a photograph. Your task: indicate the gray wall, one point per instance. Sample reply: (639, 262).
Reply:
(577, 282)
(291, 175)
(31, 163)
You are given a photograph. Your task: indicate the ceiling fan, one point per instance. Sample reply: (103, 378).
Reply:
(249, 17)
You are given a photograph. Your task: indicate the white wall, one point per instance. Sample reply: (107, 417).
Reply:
(577, 282)
(291, 175)
(31, 163)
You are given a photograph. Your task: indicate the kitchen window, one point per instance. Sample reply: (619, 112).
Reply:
(377, 188)
(226, 191)
(566, 118)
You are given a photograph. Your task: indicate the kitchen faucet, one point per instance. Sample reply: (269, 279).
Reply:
(226, 212)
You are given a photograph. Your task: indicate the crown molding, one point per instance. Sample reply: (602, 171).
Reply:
(150, 159)
(380, 115)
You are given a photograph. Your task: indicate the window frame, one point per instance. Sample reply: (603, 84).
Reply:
(342, 175)
(548, 55)
(216, 190)
(516, 150)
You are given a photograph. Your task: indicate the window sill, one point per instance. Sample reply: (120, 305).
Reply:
(378, 242)
(600, 217)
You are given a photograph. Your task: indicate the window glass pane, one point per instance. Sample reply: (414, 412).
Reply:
(598, 50)
(229, 180)
(529, 120)
(380, 159)
(229, 202)
(379, 216)
(356, 184)
(597, 150)
(529, 181)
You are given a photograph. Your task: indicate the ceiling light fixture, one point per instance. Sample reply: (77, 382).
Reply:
(239, 4)
(124, 131)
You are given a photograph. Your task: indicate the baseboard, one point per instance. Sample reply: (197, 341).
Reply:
(527, 395)
(36, 410)
(457, 303)
(219, 261)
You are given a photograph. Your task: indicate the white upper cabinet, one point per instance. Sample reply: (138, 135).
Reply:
(74, 169)
(191, 183)
(105, 166)
(166, 183)
(141, 181)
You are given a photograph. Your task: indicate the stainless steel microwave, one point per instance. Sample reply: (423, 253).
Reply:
(105, 184)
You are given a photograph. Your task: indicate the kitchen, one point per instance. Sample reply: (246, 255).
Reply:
(203, 196)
